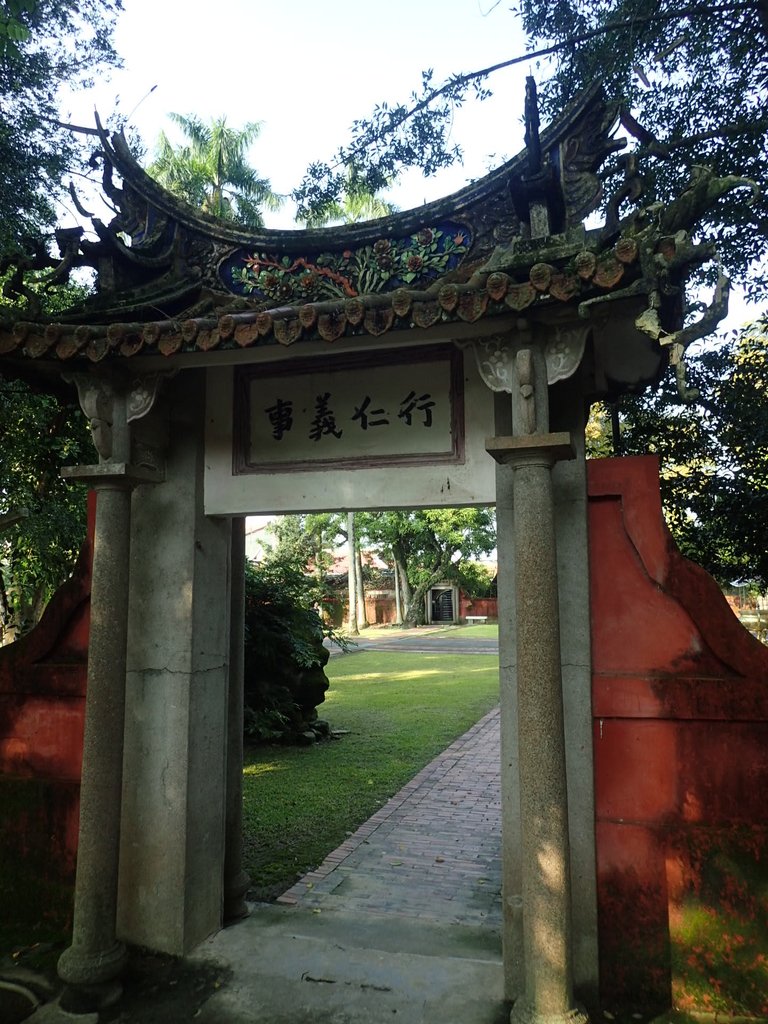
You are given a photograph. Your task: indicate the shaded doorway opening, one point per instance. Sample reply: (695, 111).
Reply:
(441, 605)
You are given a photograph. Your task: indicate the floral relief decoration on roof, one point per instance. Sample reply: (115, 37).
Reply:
(382, 266)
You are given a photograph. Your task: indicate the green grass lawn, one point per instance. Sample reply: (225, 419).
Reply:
(486, 630)
(481, 631)
(400, 711)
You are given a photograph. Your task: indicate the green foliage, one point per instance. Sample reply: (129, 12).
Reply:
(42, 519)
(694, 77)
(356, 203)
(400, 711)
(45, 45)
(211, 171)
(45, 518)
(428, 545)
(719, 932)
(284, 652)
(415, 133)
(12, 29)
(714, 454)
(281, 601)
(37, 295)
(475, 579)
(307, 541)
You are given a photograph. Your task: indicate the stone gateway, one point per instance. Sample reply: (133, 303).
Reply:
(444, 355)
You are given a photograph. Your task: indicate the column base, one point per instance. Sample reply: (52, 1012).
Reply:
(235, 906)
(524, 1013)
(87, 1000)
(83, 970)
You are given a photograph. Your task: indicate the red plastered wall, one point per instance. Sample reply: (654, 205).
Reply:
(680, 707)
(42, 709)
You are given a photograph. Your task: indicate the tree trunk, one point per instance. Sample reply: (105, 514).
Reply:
(352, 575)
(398, 602)
(319, 559)
(414, 605)
(401, 568)
(413, 600)
(5, 613)
(362, 618)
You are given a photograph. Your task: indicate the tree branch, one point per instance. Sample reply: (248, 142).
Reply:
(661, 149)
(9, 519)
(727, 130)
(80, 129)
(696, 11)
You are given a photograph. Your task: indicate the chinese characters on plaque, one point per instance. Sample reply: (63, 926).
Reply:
(351, 410)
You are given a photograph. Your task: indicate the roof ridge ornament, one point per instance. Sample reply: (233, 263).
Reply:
(539, 191)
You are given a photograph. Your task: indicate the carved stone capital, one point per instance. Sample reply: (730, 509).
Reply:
(96, 395)
(111, 403)
(495, 357)
(540, 449)
(142, 394)
(563, 351)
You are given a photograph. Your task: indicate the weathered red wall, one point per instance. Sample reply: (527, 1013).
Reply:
(42, 705)
(380, 610)
(488, 606)
(680, 703)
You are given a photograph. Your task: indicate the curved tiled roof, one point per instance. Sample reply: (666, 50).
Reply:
(582, 271)
(171, 279)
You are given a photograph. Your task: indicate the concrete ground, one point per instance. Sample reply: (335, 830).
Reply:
(400, 924)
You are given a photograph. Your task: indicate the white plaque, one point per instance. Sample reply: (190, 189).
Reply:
(358, 410)
(387, 465)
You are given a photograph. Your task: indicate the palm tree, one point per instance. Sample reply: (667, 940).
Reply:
(358, 204)
(210, 170)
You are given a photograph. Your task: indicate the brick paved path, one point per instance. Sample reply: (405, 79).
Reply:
(432, 852)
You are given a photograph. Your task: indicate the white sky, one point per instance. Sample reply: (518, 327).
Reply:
(307, 70)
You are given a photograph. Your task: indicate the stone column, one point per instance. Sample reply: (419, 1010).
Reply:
(95, 957)
(236, 880)
(171, 884)
(510, 781)
(531, 452)
(91, 964)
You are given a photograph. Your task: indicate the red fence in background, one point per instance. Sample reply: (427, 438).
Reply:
(487, 606)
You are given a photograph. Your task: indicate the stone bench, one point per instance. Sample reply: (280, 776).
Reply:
(472, 619)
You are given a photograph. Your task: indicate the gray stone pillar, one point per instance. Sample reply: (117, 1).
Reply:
(546, 886)
(512, 934)
(91, 964)
(95, 956)
(236, 880)
(530, 453)
(171, 885)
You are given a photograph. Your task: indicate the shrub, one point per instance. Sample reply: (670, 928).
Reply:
(284, 653)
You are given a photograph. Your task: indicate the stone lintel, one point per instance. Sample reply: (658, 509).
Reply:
(507, 450)
(113, 473)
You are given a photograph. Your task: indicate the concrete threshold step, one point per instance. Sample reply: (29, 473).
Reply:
(293, 965)
(383, 932)
(441, 897)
